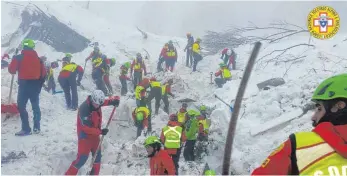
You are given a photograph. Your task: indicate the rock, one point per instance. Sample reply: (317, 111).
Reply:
(274, 82)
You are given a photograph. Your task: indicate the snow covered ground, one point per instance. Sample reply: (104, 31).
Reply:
(52, 151)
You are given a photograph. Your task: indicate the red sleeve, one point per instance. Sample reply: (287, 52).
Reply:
(183, 137)
(133, 115)
(168, 89)
(169, 165)
(13, 67)
(224, 50)
(218, 73)
(145, 122)
(132, 66)
(162, 137)
(278, 163)
(107, 101)
(162, 53)
(143, 93)
(80, 69)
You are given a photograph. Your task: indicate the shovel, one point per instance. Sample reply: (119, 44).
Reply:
(9, 108)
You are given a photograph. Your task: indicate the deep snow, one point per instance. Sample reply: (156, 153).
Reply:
(55, 148)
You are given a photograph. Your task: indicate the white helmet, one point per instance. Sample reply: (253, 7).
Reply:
(47, 64)
(229, 52)
(98, 97)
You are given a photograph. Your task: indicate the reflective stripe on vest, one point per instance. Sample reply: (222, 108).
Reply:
(170, 53)
(316, 157)
(226, 73)
(138, 90)
(137, 65)
(69, 67)
(143, 109)
(181, 117)
(172, 136)
(155, 84)
(97, 62)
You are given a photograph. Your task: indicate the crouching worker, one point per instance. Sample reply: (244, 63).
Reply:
(160, 162)
(89, 120)
(225, 74)
(140, 116)
(173, 136)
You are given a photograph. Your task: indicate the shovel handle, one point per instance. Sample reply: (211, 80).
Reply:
(10, 96)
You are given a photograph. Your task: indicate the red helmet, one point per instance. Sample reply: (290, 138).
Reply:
(145, 81)
(153, 79)
(173, 117)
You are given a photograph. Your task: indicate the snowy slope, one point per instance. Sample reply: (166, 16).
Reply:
(52, 151)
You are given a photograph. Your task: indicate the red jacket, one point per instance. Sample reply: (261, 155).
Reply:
(170, 57)
(89, 120)
(163, 52)
(142, 66)
(280, 162)
(162, 164)
(78, 72)
(183, 137)
(144, 121)
(28, 65)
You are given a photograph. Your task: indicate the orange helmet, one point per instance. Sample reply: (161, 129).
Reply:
(145, 81)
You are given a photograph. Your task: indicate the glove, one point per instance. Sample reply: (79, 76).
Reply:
(104, 131)
(114, 101)
(78, 83)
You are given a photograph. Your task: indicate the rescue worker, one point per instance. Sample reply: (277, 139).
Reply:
(160, 162)
(99, 67)
(161, 57)
(89, 121)
(166, 90)
(322, 151)
(138, 66)
(225, 74)
(182, 114)
(203, 125)
(196, 53)
(210, 173)
(124, 77)
(109, 63)
(229, 57)
(203, 111)
(50, 77)
(155, 92)
(140, 92)
(173, 136)
(67, 80)
(140, 116)
(191, 130)
(188, 49)
(170, 57)
(94, 54)
(31, 76)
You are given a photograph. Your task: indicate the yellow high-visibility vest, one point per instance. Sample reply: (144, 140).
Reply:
(316, 157)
